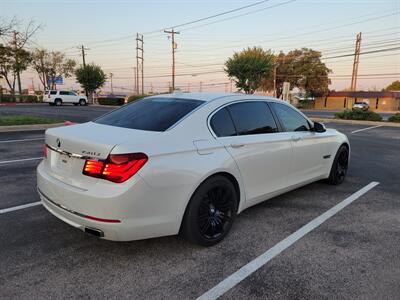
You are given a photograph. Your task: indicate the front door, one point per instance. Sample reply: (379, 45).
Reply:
(307, 159)
(262, 153)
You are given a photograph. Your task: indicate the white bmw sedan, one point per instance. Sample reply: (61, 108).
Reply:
(183, 163)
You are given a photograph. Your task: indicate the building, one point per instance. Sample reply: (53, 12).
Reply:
(378, 101)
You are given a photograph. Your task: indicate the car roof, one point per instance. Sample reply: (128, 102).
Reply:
(207, 97)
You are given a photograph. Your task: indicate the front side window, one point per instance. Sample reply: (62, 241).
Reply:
(221, 123)
(252, 117)
(291, 119)
(154, 114)
(72, 94)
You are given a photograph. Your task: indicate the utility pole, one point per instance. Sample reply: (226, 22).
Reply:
(139, 58)
(275, 67)
(201, 86)
(231, 84)
(112, 90)
(84, 64)
(188, 88)
(226, 87)
(355, 62)
(83, 55)
(172, 33)
(134, 80)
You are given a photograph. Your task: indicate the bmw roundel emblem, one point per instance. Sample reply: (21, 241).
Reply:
(58, 143)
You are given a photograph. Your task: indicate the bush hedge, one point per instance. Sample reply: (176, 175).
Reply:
(135, 97)
(22, 98)
(358, 114)
(111, 101)
(395, 118)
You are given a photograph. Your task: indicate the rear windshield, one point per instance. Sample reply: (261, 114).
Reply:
(154, 114)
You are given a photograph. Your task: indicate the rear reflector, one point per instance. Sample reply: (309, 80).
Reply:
(117, 168)
(45, 151)
(102, 220)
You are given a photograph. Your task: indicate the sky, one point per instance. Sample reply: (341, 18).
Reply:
(108, 29)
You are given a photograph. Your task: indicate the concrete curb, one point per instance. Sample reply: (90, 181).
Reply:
(29, 127)
(372, 123)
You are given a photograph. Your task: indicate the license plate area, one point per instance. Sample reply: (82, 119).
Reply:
(61, 163)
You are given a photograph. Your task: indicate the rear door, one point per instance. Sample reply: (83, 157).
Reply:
(307, 159)
(65, 97)
(250, 134)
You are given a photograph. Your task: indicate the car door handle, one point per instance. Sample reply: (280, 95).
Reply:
(296, 138)
(237, 145)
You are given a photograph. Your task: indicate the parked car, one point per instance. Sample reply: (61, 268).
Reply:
(361, 105)
(54, 97)
(183, 163)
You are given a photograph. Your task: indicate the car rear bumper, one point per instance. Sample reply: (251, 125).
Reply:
(140, 210)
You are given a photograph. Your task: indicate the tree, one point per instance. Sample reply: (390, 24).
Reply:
(303, 69)
(12, 63)
(16, 37)
(91, 77)
(394, 86)
(248, 68)
(50, 65)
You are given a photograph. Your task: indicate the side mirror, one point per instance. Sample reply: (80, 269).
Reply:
(319, 127)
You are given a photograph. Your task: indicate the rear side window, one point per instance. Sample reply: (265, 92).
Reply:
(221, 123)
(154, 114)
(64, 93)
(291, 119)
(252, 118)
(53, 92)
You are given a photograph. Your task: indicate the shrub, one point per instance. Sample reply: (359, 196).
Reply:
(29, 99)
(7, 98)
(135, 97)
(358, 114)
(22, 98)
(395, 118)
(111, 101)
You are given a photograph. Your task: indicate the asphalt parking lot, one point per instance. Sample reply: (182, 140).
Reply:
(354, 254)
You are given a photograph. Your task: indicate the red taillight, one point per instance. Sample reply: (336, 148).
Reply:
(117, 168)
(45, 151)
(48, 95)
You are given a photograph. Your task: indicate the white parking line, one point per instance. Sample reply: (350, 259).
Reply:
(261, 260)
(372, 127)
(19, 160)
(6, 210)
(22, 140)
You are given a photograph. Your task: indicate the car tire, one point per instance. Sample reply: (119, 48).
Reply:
(82, 102)
(211, 212)
(339, 166)
(58, 102)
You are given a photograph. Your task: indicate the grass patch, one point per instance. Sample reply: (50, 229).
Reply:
(26, 120)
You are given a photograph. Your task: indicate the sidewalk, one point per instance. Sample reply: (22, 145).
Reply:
(360, 122)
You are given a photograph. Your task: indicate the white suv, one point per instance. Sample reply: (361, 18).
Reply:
(54, 97)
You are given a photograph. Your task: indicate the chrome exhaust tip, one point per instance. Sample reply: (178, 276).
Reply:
(94, 231)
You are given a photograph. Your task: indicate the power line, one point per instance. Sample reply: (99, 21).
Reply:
(208, 17)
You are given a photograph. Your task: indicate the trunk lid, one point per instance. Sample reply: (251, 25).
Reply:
(70, 145)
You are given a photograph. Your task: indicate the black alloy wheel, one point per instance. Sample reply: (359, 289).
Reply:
(340, 166)
(211, 211)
